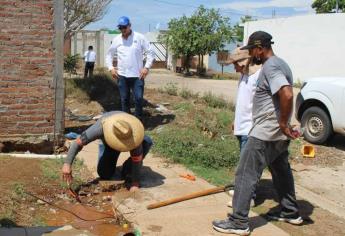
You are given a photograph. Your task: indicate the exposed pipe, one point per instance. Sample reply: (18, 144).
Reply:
(33, 155)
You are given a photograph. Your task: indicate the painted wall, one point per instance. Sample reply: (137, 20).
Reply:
(213, 64)
(313, 45)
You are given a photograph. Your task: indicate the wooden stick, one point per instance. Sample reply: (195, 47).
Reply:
(189, 196)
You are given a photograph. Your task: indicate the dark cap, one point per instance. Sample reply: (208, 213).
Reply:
(258, 39)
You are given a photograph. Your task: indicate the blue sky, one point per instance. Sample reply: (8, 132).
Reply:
(151, 15)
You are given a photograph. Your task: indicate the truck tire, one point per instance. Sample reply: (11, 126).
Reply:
(317, 124)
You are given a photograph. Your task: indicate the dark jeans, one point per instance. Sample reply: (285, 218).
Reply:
(89, 69)
(107, 158)
(242, 139)
(255, 157)
(126, 84)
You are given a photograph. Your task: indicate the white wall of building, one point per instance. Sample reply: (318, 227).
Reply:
(100, 40)
(313, 45)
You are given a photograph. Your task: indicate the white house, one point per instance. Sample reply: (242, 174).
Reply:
(313, 45)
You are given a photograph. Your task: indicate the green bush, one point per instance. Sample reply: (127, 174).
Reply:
(70, 64)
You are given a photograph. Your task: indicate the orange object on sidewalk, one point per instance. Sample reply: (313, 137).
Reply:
(189, 177)
(308, 151)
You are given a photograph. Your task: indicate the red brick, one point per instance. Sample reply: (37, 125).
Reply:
(26, 65)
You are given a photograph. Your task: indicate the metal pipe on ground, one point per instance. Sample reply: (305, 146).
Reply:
(190, 196)
(33, 155)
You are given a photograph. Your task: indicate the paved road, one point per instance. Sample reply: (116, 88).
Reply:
(224, 88)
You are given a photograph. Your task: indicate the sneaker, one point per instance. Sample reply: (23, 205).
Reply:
(231, 193)
(227, 226)
(294, 219)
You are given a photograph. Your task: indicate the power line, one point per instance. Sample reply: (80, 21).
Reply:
(196, 7)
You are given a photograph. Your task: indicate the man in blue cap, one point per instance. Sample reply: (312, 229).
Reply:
(130, 48)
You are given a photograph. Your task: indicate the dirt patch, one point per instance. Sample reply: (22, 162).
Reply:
(325, 156)
(317, 221)
(54, 205)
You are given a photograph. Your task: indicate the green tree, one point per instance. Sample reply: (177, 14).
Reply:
(204, 32)
(240, 29)
(214, 31)
(328, 6)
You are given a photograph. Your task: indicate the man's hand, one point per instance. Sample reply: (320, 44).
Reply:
(143, 73)
(67, 173)
(134, 189)
(288, 131)
(114, 73)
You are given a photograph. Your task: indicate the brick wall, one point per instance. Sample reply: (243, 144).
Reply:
(27, 56)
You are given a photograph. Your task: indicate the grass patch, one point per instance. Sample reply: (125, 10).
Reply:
(196, 137)
(184, 106)
(226, 76)
(214, 121)
(214, 101)
(171, 89)
(38, 221)
(51, 170)
(18, 190)
(190, 147)
(186, 94)
(222, 176)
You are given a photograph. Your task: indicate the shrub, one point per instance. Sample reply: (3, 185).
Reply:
(71, 63)
(171, 89)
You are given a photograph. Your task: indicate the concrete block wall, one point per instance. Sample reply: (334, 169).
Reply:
(28, 76)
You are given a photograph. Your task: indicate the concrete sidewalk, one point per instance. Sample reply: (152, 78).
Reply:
(161, 181)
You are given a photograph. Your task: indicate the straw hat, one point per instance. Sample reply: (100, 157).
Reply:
(123, 132)
(239, 56)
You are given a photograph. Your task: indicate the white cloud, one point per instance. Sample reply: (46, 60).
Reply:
(250, 5)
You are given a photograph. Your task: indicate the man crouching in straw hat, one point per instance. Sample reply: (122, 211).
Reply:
(119, 132)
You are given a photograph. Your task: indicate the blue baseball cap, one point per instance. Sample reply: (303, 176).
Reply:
(123, 21)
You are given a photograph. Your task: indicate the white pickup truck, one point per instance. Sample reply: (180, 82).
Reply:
(320, 107)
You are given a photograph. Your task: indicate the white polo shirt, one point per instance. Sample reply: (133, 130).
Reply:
(130, 54)
(244, 104)
(90, 56)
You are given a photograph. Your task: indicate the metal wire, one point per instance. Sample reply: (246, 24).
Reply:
(71, 212)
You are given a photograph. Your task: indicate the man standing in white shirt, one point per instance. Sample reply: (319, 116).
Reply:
(245, 93)
(244, 101)
(130, 48)
(89, 58)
